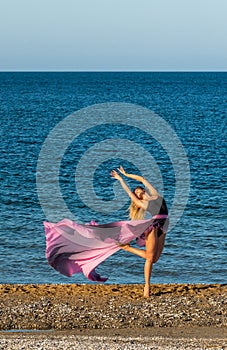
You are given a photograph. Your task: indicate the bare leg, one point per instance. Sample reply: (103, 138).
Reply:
(151, 249)
(154, 247)
(136, 251)
(160, 246)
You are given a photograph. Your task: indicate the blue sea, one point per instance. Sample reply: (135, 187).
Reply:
(193, 106)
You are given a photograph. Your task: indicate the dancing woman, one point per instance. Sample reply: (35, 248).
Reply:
(154, 236)
(73, 248)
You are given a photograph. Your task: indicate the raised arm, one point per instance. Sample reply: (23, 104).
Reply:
(138, 202)
(153, 192)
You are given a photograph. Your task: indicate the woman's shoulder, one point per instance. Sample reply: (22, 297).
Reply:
(155, 197)
(155, 201)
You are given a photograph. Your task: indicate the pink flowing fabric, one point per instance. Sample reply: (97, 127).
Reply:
(76, 248)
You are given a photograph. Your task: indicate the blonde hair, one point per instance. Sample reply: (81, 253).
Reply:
(136, 213)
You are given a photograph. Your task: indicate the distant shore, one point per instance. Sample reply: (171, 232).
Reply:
(76, 311)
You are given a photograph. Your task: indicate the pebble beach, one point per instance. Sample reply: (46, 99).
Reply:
(80, 316)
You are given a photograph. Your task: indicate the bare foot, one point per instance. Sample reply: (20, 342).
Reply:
(146, 293)
(125, 246)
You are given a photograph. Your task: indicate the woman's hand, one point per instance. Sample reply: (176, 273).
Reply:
(122, 170)
(115, 175)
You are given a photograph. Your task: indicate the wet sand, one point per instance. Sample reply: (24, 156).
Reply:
(174, 314)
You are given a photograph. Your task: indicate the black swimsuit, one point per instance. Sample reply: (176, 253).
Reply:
(156, 208)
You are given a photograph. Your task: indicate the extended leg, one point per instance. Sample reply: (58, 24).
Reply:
(136, 251)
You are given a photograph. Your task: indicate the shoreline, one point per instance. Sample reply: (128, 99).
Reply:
(149, 332)
(189, 338)
(96, 306)
(99, 316)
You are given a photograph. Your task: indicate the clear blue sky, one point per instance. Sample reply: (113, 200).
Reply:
(113, 35)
